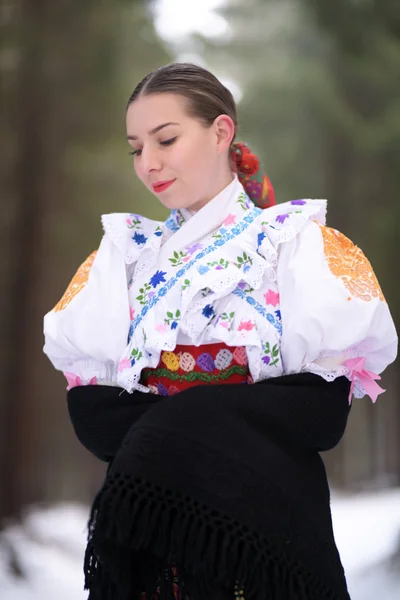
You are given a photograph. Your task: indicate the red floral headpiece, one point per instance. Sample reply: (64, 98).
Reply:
(251, 176)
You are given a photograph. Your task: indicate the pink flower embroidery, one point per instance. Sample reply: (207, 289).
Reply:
(186, 259)
(125, 363)
(161, 328)
(230, 220)
(246, 326)
(271, 297)
(131, 313)
(224, 324)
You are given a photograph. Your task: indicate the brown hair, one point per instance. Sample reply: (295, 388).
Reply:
(207, 97)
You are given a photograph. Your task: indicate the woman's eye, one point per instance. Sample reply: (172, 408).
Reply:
(135, 152)
(169, 142)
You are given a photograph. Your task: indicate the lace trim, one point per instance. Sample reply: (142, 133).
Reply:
(330, 374)
(120, 236)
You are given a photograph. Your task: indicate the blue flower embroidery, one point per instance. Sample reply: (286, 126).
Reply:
(202, 269)
(157, 278)
(260, 238)
(246, 268)
(158, 233)
(208, 311)
(139, 238)
(174, 325)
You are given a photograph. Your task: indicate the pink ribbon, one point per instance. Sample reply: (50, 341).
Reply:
(366, 378)
(75, 380)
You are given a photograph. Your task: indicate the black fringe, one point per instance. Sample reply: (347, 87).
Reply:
(136, 529)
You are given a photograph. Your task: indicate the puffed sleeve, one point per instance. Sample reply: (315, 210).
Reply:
(334, 316)
(86, 332)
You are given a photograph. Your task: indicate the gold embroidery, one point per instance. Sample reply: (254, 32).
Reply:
(348, 263)
(77, 284)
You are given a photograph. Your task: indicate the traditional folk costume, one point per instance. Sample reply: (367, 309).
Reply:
(218, 489)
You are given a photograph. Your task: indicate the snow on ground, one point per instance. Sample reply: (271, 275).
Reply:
(49, 548)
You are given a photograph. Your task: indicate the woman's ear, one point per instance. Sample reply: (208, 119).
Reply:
(225, 132)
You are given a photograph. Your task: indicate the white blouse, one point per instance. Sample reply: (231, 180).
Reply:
(296, 294)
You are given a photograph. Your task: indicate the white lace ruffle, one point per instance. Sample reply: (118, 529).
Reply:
(217, 290)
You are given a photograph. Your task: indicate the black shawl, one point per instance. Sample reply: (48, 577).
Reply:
(224, 481)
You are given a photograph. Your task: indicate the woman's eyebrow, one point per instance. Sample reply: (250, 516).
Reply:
(153, 131)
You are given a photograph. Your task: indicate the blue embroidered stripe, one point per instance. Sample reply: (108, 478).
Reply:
(259, 308)
(226, 237)
(171, 222)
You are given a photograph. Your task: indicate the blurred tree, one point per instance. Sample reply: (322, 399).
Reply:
(320, 104)
(67, 69)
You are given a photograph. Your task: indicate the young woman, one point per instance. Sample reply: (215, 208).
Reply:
(216, 491)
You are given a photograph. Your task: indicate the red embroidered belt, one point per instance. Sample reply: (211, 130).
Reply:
(187, 366)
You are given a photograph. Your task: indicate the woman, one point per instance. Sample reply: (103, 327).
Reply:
(216, 492)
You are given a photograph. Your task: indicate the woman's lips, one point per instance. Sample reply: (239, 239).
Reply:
(160, 186)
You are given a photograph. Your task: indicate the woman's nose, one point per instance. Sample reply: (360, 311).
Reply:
(151, 160)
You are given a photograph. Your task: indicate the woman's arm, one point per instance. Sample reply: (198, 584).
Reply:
(102, 415)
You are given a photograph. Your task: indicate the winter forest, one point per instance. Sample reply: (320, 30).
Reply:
(317, 84)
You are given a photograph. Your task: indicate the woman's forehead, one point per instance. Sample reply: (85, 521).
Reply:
(147, 112)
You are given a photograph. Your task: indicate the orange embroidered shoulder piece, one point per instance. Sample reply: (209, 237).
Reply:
(348, 263)
(77, 284)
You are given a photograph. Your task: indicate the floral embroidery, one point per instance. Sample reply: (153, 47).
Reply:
(134, 223)
(298, 202)
(125, 363)
(240, 355)
(158, 232)
(145, 294)
(260, 238)
(225, 320)
(282, 218)
(192, 249)
(245, 287)
(230, 235)
(171, 360)
(161, 328)
(348, 263)
(206, 362)
(157, 278)
(271, 355)
(230, 219)
(203, 269)
(178, 258)
(243, 201)
(223, 359)
(139, 238)
(77, 284)
(186, 362)
(246, 326)
(272, 298)
(131, 313)
(260, 309)
(136, 355)
(208, 311)
(172, 320)
(244, 261)
(186, 284)
(219, 265)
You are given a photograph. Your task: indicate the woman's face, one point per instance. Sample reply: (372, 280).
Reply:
(181, 161)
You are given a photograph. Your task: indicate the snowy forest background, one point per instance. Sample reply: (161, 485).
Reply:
(318, 87)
